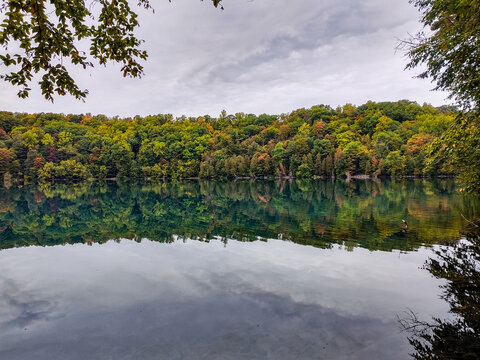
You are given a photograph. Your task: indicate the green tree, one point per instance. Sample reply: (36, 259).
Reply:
(353, 150)
(5, 159)
(394, 163)
(340, 161)
(328, 166)
(305, 170)
(459, 147)
(47, 173)
(451, 53)
(322, 147)
(260, 164)
(450, 49)
(40, 36)
(207, 171)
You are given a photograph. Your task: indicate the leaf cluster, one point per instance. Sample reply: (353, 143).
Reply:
(48, 38)
(449, 47)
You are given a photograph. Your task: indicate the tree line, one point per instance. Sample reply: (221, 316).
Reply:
(378, 139)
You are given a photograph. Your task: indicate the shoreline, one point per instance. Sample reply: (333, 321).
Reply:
(238, 178)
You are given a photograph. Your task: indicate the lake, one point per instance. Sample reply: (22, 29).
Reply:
(222, 270)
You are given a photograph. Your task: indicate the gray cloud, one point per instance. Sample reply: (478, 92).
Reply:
(315, 26)
(255, 56)
(24, 308)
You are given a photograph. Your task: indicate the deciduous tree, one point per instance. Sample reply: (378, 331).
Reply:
(45, 37)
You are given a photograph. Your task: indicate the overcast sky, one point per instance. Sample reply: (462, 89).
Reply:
(256, 56)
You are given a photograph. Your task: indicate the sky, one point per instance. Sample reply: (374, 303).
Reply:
(255, 56)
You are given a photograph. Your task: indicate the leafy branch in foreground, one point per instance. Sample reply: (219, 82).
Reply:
(45, 37)
(450, 47)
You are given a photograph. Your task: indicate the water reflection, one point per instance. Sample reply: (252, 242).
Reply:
(369, 214)
(458, 335)
(142, 299)
(274, 300)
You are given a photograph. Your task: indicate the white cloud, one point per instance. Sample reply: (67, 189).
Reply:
(255, 56)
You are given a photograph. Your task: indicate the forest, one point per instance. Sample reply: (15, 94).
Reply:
(374, 139)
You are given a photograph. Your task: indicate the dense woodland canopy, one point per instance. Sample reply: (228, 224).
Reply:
(388, 138)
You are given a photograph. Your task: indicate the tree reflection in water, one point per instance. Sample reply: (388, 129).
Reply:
(368, 214)
(459, 336)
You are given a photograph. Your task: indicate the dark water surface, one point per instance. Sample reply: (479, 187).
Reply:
(205, 270)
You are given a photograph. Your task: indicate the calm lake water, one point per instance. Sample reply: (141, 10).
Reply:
(212, 270)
